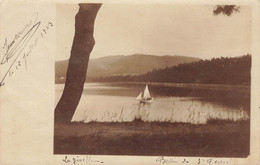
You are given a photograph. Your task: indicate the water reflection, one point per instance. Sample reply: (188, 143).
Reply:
(104, 103)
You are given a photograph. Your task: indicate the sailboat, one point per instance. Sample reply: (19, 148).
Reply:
(145, 96)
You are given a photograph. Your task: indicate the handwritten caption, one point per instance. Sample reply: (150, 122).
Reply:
(159, 160)
(21, 45)
(202, 161)
(80, 160)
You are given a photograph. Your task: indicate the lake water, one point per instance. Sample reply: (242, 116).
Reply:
(116, 102)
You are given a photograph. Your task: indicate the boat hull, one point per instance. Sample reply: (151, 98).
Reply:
(146, 101)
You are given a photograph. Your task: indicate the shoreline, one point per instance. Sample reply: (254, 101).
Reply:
(245, 88)
(189, 85)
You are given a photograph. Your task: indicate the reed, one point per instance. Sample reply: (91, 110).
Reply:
(194, 116)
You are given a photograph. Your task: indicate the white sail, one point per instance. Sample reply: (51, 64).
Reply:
(139, 97)
(146, 92)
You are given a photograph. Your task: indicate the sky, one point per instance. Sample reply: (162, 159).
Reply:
(187, 30)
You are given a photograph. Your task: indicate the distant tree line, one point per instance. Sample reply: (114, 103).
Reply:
(224, 70)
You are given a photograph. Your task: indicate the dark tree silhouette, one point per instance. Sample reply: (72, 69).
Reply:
(225, 9)
(82, 46)
(222, 70)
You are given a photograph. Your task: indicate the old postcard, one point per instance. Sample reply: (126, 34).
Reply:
(130, 82)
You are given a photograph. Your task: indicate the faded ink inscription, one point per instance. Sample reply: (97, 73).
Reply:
(80, 160)
(17, 49)
(203, 161)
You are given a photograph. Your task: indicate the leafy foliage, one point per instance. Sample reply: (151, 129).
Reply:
(226, 9)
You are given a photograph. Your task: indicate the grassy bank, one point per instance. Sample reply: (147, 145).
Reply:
(216, 138)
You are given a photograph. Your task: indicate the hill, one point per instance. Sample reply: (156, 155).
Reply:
(121, 65)
(222, 70)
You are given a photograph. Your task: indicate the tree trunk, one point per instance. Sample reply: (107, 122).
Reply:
(82, 46)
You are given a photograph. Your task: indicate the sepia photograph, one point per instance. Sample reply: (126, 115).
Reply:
(153, 80)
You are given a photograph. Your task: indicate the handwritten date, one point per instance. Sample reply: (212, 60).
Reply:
(201, 161)
(17, 50)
